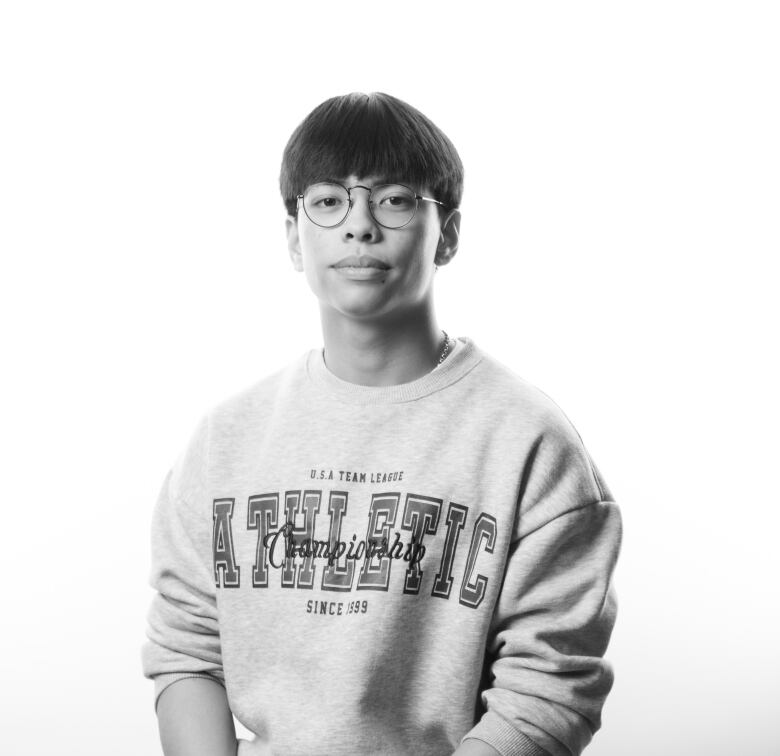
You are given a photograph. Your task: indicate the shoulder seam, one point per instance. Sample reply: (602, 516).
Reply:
(591, 466)
(563, 514)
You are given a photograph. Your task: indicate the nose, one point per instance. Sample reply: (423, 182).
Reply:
(360, 224)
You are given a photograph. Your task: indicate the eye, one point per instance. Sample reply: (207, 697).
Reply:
(325, 198)
(396, 200)
(328, 201)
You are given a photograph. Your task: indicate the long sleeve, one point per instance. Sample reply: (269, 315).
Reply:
(485, 613)
(547, 678)
(183, 634)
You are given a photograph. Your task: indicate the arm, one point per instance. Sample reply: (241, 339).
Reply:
(556, 609)
(195, 720)
(183, 650)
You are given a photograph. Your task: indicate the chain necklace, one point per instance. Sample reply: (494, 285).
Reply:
(444, 352)
(446, 349)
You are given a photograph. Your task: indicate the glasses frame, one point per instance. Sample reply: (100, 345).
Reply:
(348, 190)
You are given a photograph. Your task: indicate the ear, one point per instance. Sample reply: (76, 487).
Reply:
(449, 238)
(294, 242)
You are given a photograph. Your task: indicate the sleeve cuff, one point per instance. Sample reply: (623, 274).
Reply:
(498, 733)
(161, 682)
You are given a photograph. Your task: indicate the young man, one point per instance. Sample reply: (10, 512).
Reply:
(393, 545)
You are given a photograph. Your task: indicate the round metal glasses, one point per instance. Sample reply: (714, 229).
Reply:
(328, 204)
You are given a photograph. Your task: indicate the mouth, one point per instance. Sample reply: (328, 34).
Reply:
(361, 261)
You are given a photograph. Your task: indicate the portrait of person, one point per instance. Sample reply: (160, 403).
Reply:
(390, 380)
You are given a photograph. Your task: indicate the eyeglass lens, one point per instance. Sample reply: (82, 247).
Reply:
(392, 205)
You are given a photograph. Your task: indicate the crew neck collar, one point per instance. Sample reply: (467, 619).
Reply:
(458, 364)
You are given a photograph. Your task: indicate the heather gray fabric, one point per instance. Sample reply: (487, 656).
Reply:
(500, 539)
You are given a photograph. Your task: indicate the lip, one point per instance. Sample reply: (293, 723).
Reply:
(361, 261)
(368, 273)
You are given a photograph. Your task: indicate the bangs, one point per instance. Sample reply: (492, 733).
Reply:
(370, 135)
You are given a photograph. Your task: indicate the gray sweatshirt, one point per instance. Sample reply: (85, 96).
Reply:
(389, 570)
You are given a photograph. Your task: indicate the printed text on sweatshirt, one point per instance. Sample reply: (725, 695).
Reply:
(389, 570)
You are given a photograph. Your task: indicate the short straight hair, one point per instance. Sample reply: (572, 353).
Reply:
(370, 134)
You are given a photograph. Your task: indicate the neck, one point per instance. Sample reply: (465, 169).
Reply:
(373, 353)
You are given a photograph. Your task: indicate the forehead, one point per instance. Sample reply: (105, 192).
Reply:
(371, 179)
(374, 179)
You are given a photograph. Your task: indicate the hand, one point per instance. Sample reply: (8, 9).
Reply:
(254, 747)
(475, 747)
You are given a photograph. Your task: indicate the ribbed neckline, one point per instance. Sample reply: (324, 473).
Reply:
(452, 369)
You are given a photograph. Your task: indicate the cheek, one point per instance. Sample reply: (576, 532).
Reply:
(307, 237)
(418, 272)
(310, 242)
(424, 252)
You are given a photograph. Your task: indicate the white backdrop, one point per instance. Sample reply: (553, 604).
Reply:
(619, 250)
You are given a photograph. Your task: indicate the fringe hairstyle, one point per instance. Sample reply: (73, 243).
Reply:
(370, 134)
